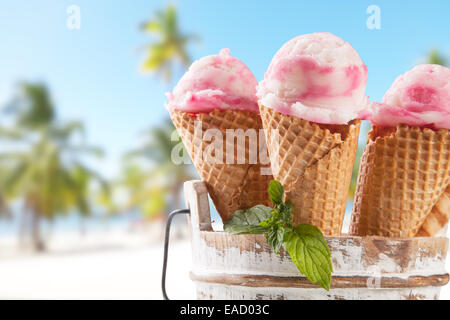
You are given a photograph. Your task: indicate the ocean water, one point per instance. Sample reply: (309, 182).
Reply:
(72, 222)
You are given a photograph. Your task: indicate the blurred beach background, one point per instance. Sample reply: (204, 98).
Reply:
(86, 177)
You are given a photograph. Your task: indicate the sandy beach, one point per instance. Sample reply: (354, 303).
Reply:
(110, 265)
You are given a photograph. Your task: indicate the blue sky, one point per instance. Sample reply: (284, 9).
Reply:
(93, 72)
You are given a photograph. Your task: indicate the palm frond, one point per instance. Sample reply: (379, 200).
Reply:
(65, 131)
(170, 46)
(13, 133)
(47, 173)
(435, 57)
(37, 108)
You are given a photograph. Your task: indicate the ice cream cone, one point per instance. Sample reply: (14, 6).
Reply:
(232, 186)
(438, 217)
(213, 100)
(314, 164)
(404, 170)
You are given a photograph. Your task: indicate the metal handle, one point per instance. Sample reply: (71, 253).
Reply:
(166, 248)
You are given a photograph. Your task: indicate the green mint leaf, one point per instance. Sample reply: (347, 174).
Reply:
(248, 221)
(275, 237)
(286, 209)
(276, 192)
(310, 253)
(265, 223)
(307, 229)
(273, 220)
(305, 243)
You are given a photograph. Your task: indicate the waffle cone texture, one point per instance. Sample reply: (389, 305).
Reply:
(314, 164)
(231, 186)
(438, 217)
(403, 173)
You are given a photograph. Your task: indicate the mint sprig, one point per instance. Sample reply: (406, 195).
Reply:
(248, 221)
(305, 243)
(276, 192)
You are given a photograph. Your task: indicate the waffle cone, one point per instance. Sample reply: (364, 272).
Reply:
(438, 217)
(314, 164)
(403, 172)
(231, 186)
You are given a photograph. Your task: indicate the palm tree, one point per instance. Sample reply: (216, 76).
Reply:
(159, 188)
(149, 197)
(149, 187)
(435, 57)
(171, 44)
(4, 209)
(45, 171)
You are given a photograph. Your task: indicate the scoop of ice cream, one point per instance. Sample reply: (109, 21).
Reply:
(420, 97)
(318, 77)
(215, 82)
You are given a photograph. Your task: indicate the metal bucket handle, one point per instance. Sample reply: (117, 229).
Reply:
(166, 248)
(196, 197)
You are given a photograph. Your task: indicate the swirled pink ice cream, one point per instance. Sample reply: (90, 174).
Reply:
(215, 82)
(420, 97)
(318, 77)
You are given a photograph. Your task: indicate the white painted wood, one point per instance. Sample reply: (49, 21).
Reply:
(224, 292)
(196, 197)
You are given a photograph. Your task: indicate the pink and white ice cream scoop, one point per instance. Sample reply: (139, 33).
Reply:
(420, 97)
(215, 82)
(318, 77)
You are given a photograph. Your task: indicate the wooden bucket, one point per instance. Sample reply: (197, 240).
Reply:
(229, 266)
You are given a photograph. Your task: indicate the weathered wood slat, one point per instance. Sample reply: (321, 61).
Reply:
(336, 281)
(356, 255)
